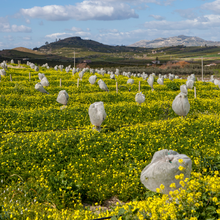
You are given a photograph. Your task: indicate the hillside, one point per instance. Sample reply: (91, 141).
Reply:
(89, 45)
(174, 41)
(26, 50)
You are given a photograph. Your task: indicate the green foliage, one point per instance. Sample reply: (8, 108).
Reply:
(61, 162)
(129, 214)
(64, 190)
(174, 86)
(19, 88)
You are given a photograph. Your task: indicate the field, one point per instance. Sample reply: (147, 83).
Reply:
(55, 166)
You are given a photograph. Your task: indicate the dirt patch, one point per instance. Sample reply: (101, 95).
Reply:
(82, 65)
(107, 205)
(16, 67)
(169, 64)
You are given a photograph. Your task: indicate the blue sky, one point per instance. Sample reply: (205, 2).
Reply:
(114, 22)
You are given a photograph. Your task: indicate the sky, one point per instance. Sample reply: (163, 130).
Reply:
(31, 24)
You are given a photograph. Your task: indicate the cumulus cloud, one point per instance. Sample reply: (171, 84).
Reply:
(6, 27)
(204, 22)
(212, 6)
(21, 28)
(76, 32)
(59, 35)
(108, 30)
(75, 29)
(187, 13)
(157, 17)
(86, 10)
(136, 2)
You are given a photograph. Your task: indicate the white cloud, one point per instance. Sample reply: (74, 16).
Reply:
(27, 38)
(21, 28)
(130, 37)
(75, 29)
(59, 35)
(212, 6)
(86, 10)
(82, 34)
(157, 17)
(6, 27)
(204, 22)
(76, 32)
(136, 2)
(28, 21)
(108, 30)
(187, 13)
(9, 38)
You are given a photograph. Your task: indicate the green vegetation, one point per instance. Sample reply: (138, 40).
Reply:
(53, 162)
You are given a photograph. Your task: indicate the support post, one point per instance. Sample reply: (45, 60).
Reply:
(139, 87)
(78, 83)
(60, 82)
(116, 87)
(194, 92)
(10, 78)
(202, 69)
(74, 59)
(29, 76)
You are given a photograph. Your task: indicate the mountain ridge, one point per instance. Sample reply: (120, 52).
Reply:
(174, 41)
(90, 45)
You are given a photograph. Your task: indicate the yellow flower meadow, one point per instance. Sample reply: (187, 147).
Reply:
(55, 166)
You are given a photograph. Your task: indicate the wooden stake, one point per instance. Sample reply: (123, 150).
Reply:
(60, 82)
(202, 69)
(116, 87)
(195, 92)
(10, 78)
(29, 76)
(78, 83)
(139, 87)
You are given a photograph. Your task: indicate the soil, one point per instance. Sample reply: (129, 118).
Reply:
(16, 67)
(107, 205)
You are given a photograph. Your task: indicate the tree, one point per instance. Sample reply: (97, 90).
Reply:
(46, 43)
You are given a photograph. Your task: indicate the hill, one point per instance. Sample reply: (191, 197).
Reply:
(174, 41)
(89, 45)
(26, 50)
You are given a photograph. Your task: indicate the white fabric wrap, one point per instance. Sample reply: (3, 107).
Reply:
(130, 81)
(163, 169)
(44, 81)
(102, 85)
(189, 84)
(139, 98)
(92, 79)
(112, 76)
(150, 81)
(183, 89)
(97, 113)
(181, 104)
(62, 97)
(2, 72)
(160, 80)
(40, 88)
(41, 76)
(216, 82)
